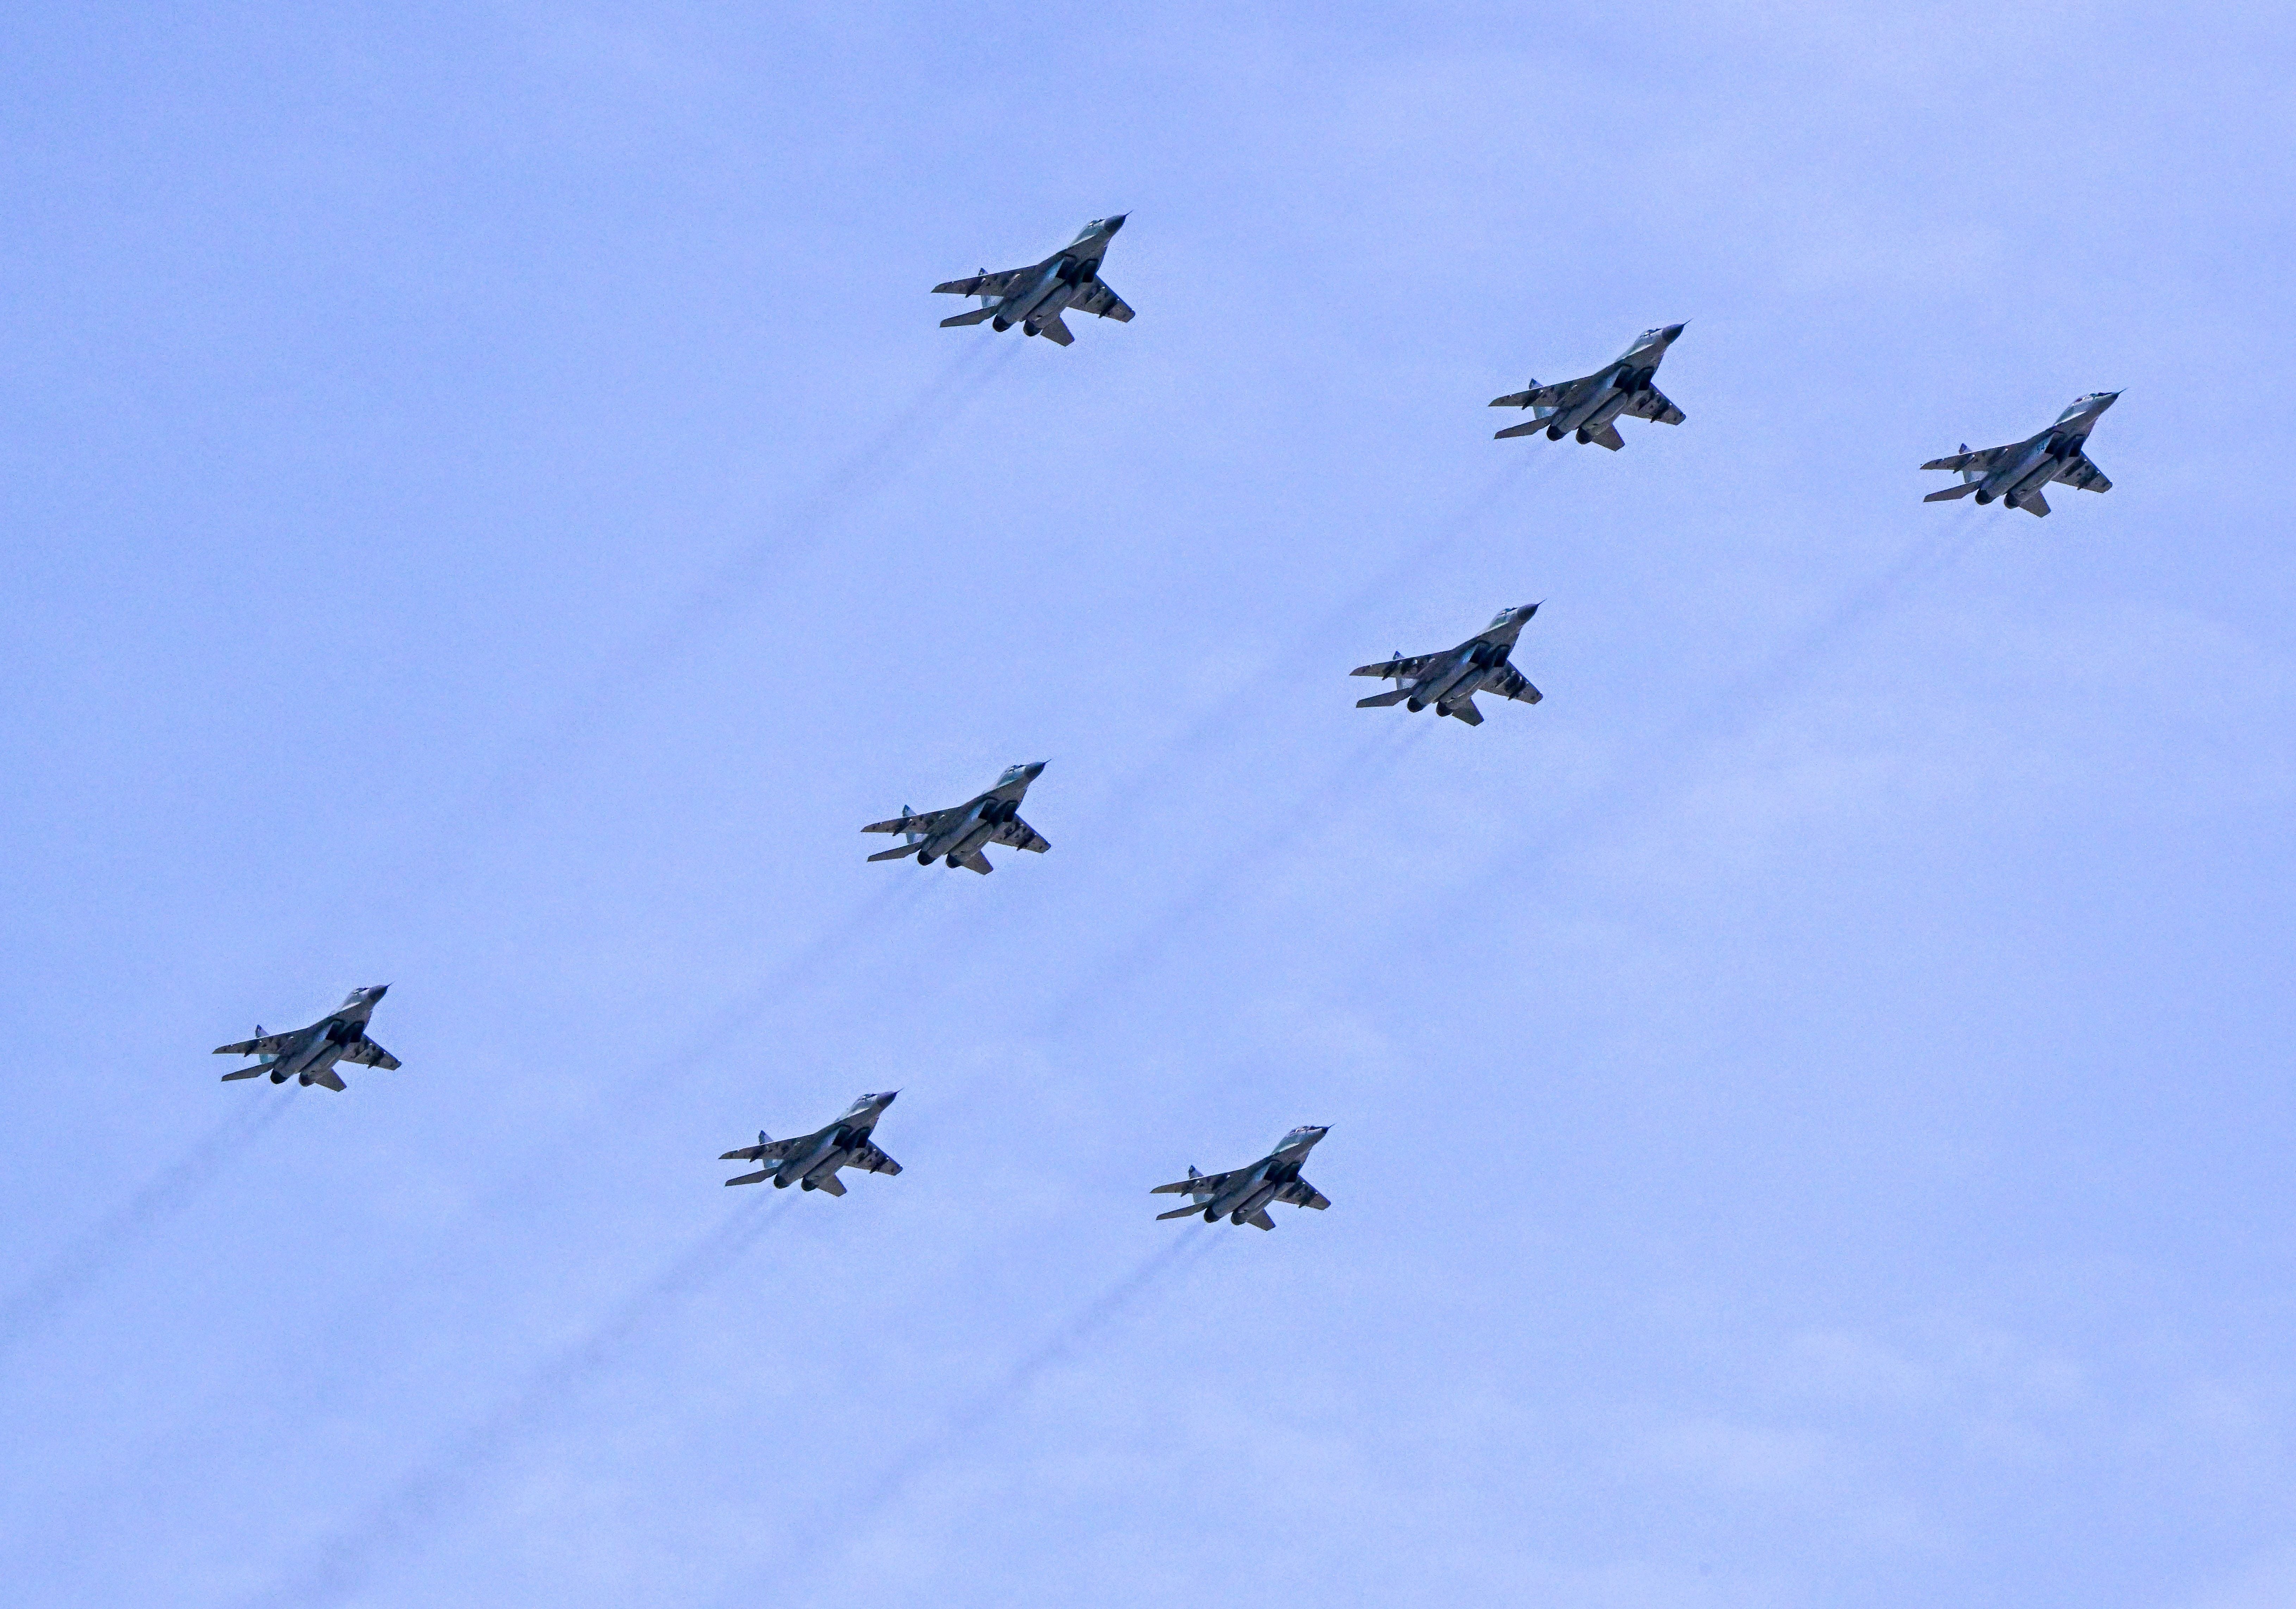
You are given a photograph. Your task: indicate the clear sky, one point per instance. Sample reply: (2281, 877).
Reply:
(489, 510)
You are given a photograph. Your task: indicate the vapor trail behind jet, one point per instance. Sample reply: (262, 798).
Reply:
(422, 1499)
(175, 1188)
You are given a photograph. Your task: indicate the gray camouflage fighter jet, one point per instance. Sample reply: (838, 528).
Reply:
(811, 1160)
(1450, 681)
(2018, 472)
(958, 834)
(1035, 298)
(1621, 388)
(310, 1055)
(1242, 1197)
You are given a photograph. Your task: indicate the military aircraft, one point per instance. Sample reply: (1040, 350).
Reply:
(958, 833)
(1621, 388)
(1242, 1197)
(811, 1160)
(1450, 681)
(2018, 472)
(310, 1055)
(1035, 298)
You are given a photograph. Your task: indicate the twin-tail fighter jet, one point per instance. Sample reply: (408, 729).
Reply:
(1450, 681)
(1242, 1197)
(308, 1055)
(2018, 472)
(958, 835)
(811, 1160)
(1035, 298)
(1585, 408)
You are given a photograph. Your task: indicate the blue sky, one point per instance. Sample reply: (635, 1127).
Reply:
(493, 513)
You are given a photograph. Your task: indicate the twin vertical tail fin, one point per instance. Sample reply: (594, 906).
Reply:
(911, 840)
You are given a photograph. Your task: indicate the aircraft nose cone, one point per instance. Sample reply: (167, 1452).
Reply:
(1117, 221)
(1035, 769)
(1674, 332)
(378, 989)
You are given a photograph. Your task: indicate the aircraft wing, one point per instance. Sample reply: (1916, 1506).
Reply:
(1020, 835)
(1651, 403)
(1102, 300)
(2082, 475)
(1195, 1183)
(911, 821)
(1539, 396)
(985, 283)
(1983, 459)
(269, 1044)
(872, 1160)
(772, 1151)
(1417, 665)
(1511, 683)
(366, 1053)
(1300, 1192)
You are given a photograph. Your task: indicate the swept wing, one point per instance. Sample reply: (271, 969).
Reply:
(366, 1053)
(1981, 461)
(985, 283)
(1651, 403)
(2082, 475)
(269, 1044)
(1099, 300)
(1020, 835)
(1417, 665)
(1511, 683)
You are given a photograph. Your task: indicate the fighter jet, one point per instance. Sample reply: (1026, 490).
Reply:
(811, 1160)
(2017, 473)
(310, 1055)
(958, 833)
(1450, 681)
(1242, 1197)
(1035, 298)
(1587, 406)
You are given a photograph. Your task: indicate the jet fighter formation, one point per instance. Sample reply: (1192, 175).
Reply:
(1036, 297)
(956, 835)
(1242, 1197)
(308, 1055)
(2018, 472)
(811, 1160)
(1450, 681)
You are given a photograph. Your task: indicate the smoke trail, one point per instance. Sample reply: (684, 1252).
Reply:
(418, 1502)
(175, 1188)
(736, 583)
(1387, 740)
(963, 1425)
(1284, 663)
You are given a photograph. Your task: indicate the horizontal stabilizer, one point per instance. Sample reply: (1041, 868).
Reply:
(2033, 503)
(758, 1178)
(328, 1077)
(978, 316)
(1381, 700)
(1464, 710)
(244, 1072)
(1951, 492)
(1054, 330)
(896, 852)
(1259, 1220)
(1179, 1212)
(1608, 436)
(829, 1184)
(977, 862)
(1531, 428)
